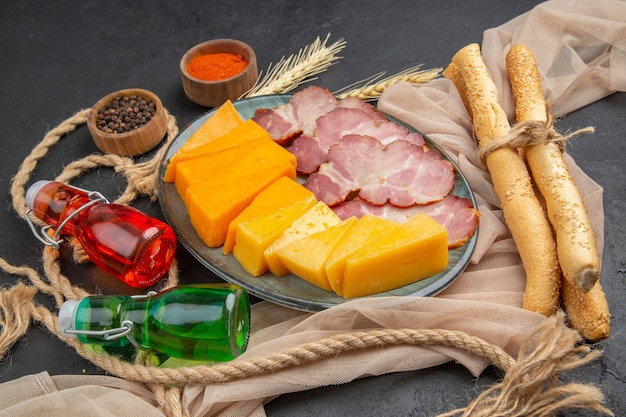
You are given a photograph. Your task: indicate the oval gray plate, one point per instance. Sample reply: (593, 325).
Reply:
(291, 291)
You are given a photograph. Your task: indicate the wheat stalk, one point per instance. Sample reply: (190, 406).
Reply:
(296, 69)
(371, 88)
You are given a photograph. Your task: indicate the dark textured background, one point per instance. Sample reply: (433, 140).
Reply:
(59, 57)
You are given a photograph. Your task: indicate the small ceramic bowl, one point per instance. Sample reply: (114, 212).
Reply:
(215, 93)
(132, 142)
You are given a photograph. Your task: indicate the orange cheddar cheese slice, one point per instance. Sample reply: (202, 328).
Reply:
(231, 163)
(221, 122)
(282, 192)
(415, 250)
(368, 229)
(255, 235)
(317, 218)
(212, 208)
(246, 133)
(307, 257)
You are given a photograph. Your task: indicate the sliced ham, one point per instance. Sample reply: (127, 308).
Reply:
(311, 151)
(309, 105)
(343, 121)
(280, 123)
(357, 103)
(400, 173)
(455, 214)
(309, 154)
(288, 121)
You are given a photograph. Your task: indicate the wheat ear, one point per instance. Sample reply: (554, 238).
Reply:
(372, 88)
(296, 69)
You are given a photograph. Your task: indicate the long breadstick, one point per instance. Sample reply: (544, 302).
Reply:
(587, 312)
(582, 296)
(522, 211)
(576, 244)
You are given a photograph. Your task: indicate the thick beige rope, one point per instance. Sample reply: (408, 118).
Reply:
(530, 386)
(13, 319)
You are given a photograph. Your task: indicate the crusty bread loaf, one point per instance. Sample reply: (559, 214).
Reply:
(522, 211)
(575, 241)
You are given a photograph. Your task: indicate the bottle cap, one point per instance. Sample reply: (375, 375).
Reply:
(33, 190)
(67, 316)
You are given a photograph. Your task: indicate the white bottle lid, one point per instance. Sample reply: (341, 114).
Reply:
(67, 317)
(33, 190)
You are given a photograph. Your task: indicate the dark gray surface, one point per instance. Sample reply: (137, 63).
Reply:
(59, 57)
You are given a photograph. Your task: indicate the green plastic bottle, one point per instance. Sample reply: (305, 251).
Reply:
(203, 322)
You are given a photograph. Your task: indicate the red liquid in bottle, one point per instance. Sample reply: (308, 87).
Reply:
(134, 247)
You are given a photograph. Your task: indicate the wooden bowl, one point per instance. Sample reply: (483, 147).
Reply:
(133, 142)
(215, 93)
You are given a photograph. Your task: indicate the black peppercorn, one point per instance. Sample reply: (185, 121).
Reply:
(125, 113)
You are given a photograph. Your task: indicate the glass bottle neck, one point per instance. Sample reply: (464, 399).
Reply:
(55, 202)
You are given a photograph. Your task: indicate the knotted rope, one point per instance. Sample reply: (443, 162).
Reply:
(530, 386)
(530, 133)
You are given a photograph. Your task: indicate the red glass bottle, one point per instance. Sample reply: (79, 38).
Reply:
(127, 243)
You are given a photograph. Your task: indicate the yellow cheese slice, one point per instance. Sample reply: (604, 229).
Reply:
(317, 218)
(221, 122)
(368, 229)
(415, 250)
(235, 162)
(307, 257)
(255, 235)
(246, 133)
(282, 192)
(211, 209)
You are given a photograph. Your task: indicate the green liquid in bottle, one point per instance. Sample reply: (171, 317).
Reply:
(205, 322)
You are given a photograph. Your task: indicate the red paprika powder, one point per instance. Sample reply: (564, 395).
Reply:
(215, 67)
